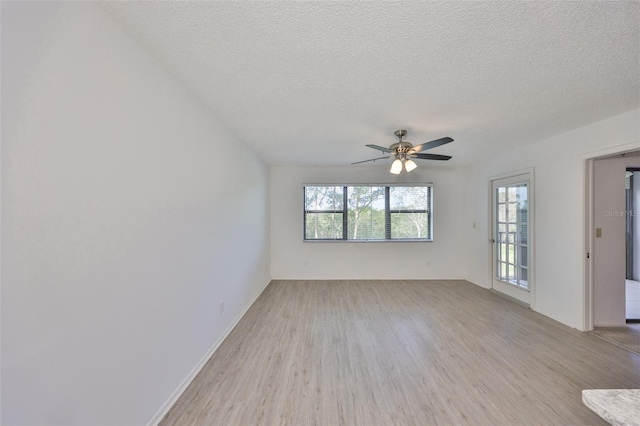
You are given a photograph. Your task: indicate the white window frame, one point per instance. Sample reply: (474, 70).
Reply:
(388, 212)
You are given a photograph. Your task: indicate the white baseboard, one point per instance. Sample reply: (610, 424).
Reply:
(155, 420)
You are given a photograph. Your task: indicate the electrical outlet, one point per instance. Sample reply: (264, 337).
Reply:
(221, 306)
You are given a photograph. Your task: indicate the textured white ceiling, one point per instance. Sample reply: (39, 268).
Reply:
(310, 83)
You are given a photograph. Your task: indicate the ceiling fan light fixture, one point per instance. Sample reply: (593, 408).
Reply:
(396, 167)
(410, 165)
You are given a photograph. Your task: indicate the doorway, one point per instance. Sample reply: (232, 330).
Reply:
(512, 205)
(608, 234)
(610, 252)
(632, 244)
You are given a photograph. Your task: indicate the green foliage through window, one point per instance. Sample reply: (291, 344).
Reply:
(368, 213)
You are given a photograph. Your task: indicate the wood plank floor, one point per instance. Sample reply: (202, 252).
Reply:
(399, 352)
(627, 336)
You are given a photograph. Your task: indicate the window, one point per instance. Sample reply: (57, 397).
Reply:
(368, 213)
(512, 234)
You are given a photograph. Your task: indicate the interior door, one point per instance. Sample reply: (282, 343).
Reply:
(511, 237)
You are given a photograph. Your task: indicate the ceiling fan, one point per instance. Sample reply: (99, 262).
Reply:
(405, 152)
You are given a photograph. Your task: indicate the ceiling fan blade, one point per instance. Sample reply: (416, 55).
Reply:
(432, 144)
(380, 148)
(431, 156)
(373, 159)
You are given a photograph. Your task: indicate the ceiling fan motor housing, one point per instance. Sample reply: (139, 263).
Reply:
(401, 149)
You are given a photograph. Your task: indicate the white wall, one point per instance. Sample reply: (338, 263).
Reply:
(291, 258)
(609, 250)
(123, 224)
(559, 164)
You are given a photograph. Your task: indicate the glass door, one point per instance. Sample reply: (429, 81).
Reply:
(511, 240)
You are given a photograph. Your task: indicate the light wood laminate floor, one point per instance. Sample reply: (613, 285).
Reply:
(399, 352)
(627, 336)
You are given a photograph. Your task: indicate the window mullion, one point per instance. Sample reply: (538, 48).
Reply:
(387, 213)
(345, 213)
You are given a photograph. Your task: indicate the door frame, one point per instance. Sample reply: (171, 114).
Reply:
(530, 176)
(587, 161)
